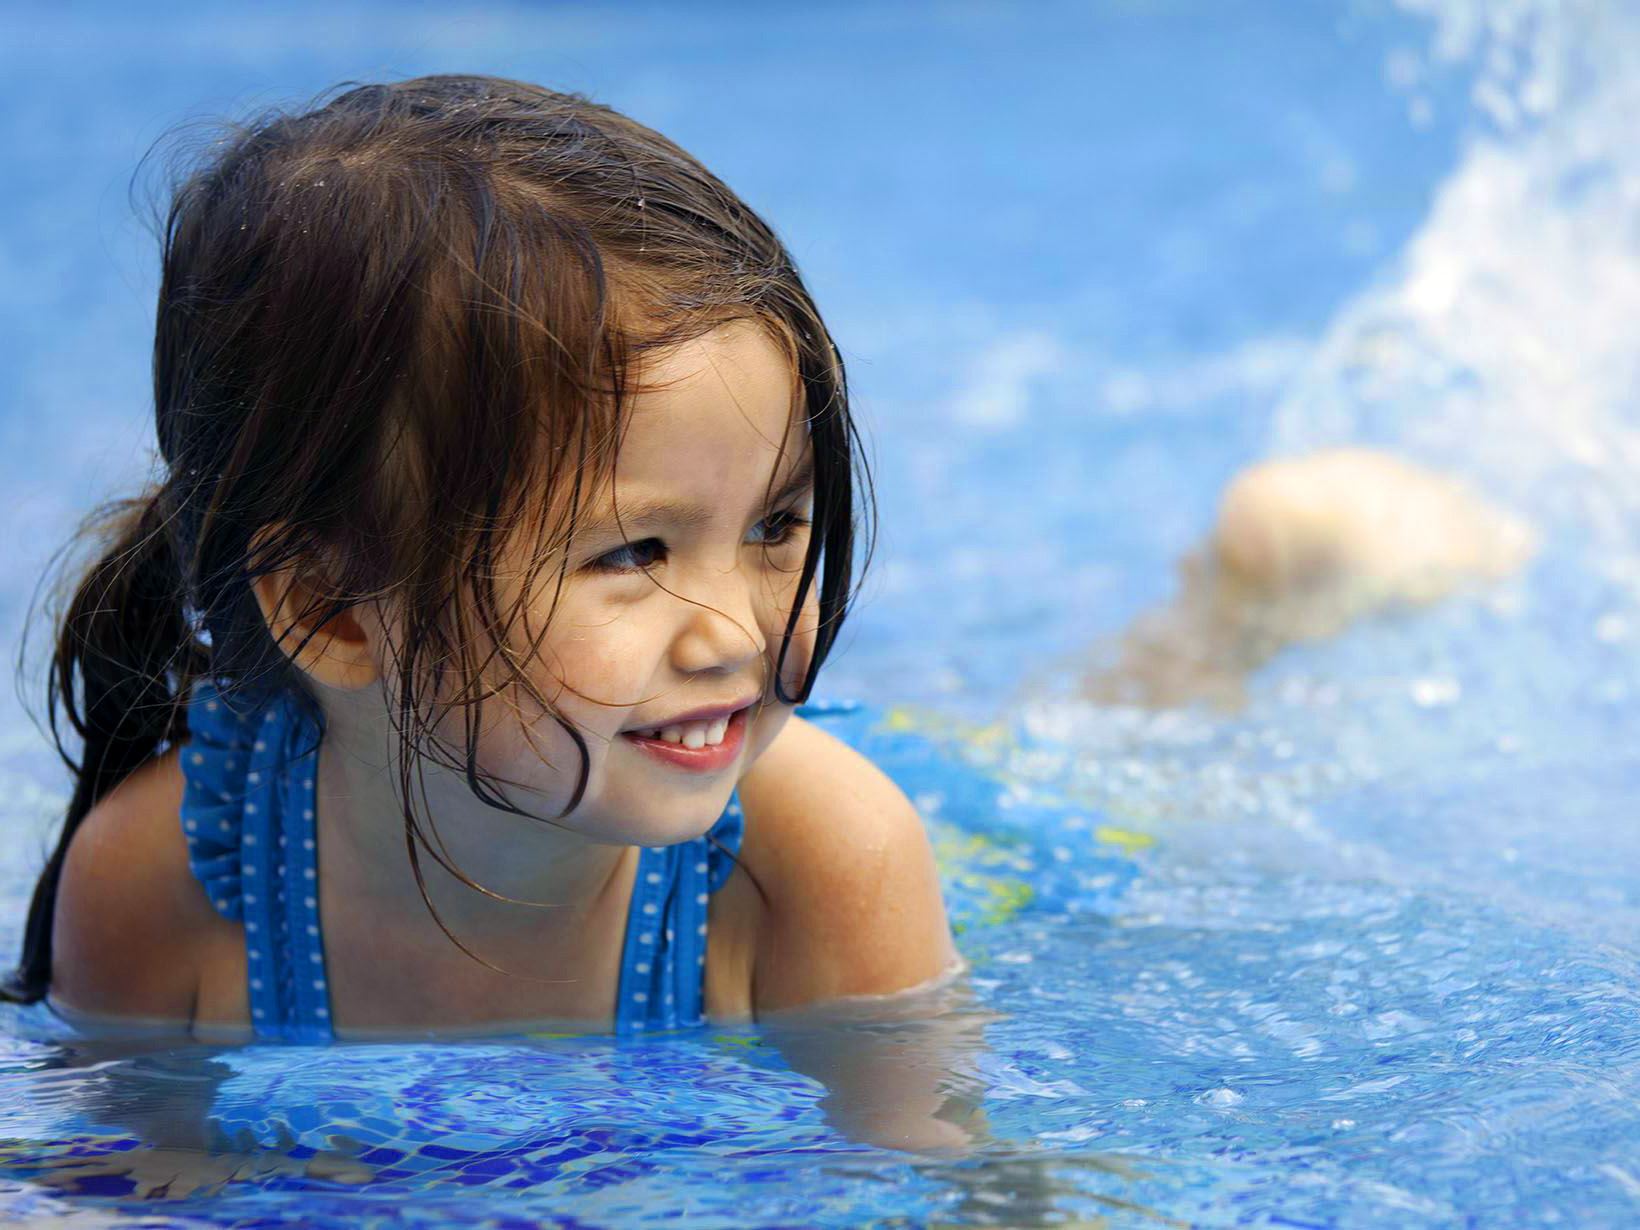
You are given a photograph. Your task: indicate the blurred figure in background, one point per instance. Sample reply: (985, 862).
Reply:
(1303, 547)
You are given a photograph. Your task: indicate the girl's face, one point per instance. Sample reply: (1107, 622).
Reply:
(662, 644)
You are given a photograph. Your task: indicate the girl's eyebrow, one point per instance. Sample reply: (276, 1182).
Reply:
(797, 482)
(692, 516)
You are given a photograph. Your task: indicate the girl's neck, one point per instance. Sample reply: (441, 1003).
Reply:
(362, 837)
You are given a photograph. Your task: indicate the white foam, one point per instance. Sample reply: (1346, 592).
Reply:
(1502, 341)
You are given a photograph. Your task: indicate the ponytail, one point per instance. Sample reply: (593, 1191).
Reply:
(124, 637)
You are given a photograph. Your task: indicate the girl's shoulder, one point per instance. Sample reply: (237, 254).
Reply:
(132, 925)
(853, 902)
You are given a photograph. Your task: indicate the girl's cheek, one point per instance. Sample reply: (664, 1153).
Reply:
(801, 650)
(607, 657)
(538, 756)
(526, 746)
(588, 669)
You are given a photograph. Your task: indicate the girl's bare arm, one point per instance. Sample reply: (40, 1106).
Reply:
(853, 973)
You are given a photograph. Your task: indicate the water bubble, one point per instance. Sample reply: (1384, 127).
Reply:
(1611, 628)
(1434, 691)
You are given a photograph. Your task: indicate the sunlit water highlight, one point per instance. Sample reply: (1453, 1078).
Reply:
(1362, 954)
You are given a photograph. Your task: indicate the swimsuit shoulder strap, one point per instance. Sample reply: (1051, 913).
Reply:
(248, 818)
(663, 959)
(663, 962)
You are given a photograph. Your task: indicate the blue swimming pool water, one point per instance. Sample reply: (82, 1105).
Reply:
(1363, 954)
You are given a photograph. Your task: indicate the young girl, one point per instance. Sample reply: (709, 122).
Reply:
(446, 681)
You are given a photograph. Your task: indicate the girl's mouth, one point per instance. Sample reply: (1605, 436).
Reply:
(695, 747)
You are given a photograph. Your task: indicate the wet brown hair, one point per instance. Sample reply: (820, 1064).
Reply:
(395, 330)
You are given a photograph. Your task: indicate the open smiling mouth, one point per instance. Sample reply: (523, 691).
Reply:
(697, 746)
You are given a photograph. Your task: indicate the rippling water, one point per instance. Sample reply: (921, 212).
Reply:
(1361, 954)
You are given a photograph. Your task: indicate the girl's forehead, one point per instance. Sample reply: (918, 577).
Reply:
(722, 406)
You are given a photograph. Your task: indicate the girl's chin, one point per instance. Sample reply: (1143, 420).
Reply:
(660, 825)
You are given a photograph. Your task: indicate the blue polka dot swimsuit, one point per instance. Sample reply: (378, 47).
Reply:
(248, 816)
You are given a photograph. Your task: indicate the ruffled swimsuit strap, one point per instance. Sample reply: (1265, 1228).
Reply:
(248, 817)
(663, 959)
(663, 963)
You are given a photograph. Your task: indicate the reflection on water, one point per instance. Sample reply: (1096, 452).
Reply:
(1059, 1189)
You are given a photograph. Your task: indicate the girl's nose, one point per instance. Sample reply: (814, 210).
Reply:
(721, 627)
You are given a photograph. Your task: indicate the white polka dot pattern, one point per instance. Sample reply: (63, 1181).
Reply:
(664, 958)
(250, 788)
(249, 785)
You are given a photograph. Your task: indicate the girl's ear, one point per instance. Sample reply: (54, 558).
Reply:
(342, 653)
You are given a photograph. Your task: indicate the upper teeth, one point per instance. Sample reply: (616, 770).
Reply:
(690, 734)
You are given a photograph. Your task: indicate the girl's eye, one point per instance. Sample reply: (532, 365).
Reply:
(777, 528)
(631, 557)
